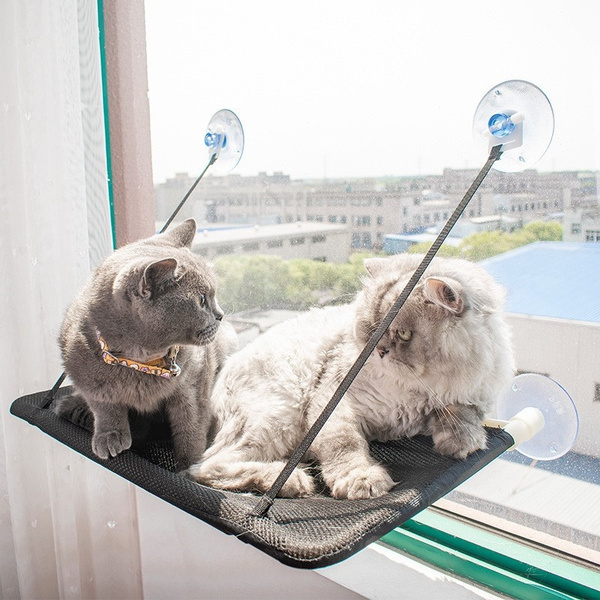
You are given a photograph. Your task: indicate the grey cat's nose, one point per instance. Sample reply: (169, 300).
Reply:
(382, 351)
(219, 316)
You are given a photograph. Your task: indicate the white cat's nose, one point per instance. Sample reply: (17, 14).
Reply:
(382, 351)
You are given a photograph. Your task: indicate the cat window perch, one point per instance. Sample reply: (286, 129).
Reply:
(515, 121)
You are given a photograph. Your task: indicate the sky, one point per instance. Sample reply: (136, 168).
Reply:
(343, 89)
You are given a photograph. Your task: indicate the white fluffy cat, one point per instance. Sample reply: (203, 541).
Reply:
(437, 371)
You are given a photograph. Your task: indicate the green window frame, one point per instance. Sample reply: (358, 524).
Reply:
(498, 562)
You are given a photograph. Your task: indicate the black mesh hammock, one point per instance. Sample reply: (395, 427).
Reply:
(308, 532)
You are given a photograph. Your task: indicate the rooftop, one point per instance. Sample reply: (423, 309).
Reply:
(551, 279)
(246, 233)
(418, 238)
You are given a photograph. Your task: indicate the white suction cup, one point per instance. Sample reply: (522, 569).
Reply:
(518, 115)
(537, 406)
(225, 139)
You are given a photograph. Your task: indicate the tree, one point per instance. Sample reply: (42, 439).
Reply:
(545, 231)
(250, 282)
(479, 246)
(445, 249)
(247, 282)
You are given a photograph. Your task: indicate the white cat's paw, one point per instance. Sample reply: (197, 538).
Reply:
(110, 443)
(370, 482)
(456, 446)
(299, 485)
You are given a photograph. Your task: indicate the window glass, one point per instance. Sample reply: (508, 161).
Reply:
(358, 141)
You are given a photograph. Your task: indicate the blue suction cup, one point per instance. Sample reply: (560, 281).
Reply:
(518, 115)
(225, 139)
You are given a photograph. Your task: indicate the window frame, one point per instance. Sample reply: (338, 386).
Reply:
(105, 106)
(498, 562)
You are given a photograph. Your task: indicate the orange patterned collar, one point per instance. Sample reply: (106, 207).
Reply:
(161, 367)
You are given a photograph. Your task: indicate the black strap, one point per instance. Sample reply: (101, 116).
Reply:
(50, 395)
(268, 498)
(211, 161)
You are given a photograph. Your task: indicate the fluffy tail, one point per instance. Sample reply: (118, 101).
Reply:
(75, 409)
(230, 473)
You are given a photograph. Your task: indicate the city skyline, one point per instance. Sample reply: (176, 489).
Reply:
(373, 208)
(269, 174)
(339, 90)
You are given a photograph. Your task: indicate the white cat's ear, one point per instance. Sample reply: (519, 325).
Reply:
(446, 293)
(156, 275)
(182, 235)
(375, 265)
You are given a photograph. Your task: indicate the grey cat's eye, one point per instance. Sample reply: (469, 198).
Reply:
(404, 334)
(202, 299)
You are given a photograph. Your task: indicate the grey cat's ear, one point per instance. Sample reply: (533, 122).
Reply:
(446, 293)
(375, 266)
(156, 275)
(182, 235)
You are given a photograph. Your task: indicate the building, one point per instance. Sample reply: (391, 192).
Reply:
(401, 242)
(231, 199)
(554, 310)
(318, 241)
(374, 207)
(581, 223)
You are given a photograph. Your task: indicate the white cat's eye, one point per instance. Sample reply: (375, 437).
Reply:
(404, 334)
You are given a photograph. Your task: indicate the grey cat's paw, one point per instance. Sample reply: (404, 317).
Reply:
(110, 443)
(372, 482)
(451, 444)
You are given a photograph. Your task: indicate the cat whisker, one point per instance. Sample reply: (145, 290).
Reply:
(456, 426)
(450, 418)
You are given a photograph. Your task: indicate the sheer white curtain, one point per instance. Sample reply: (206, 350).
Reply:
(54, 224)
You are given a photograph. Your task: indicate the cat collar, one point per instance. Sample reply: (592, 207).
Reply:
(165, 367)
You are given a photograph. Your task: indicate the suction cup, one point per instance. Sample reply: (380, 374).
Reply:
(558, 416)
(518, 115)
(225, 139)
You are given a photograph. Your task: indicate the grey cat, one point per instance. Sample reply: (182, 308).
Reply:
(146, 334)
(437, 371)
